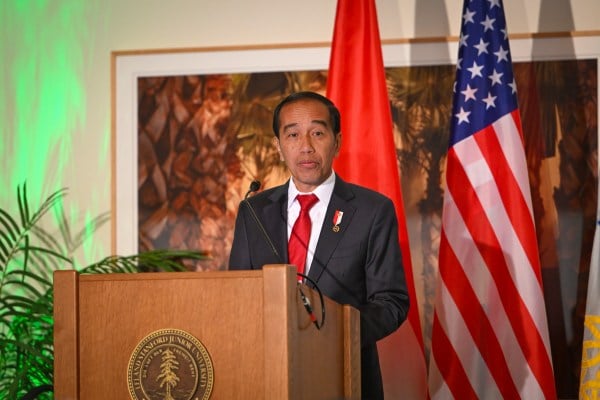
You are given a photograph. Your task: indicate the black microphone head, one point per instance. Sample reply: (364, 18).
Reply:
(254, 186)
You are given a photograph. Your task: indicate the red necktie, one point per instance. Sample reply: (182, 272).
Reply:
(298, 243)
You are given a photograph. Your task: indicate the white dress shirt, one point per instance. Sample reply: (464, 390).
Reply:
(317, 213)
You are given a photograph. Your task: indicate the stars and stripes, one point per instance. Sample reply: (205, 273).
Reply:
(488, 90)
(489, 335)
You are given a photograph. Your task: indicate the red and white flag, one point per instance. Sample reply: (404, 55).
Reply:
(490, 334)
(356, 84)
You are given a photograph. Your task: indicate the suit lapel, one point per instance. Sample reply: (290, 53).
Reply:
(330, 238)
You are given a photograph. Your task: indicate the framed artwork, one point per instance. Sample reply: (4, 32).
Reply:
(192, 129)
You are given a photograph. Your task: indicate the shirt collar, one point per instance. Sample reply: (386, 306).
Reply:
(323, 191)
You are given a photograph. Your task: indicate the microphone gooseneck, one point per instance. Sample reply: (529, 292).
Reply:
(254, 186)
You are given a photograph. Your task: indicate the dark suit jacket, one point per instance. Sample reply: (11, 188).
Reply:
(360, 265)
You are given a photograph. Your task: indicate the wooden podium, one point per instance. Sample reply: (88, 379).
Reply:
(259, 339)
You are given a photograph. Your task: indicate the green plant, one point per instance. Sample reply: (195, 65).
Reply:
(29, 254)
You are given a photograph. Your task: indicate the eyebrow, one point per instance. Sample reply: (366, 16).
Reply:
(314, 121)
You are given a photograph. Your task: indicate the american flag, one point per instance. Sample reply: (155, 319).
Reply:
(490, 335)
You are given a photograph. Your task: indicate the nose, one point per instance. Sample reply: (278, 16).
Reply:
(306, 143)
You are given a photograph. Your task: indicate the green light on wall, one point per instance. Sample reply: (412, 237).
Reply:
(46, 55)
(42, 99)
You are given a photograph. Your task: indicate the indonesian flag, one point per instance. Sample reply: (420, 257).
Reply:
(490, 334)
(357, 85)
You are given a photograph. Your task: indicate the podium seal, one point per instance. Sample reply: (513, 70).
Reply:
(170, 364)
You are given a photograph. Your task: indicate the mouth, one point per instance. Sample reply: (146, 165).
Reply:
(307, 164)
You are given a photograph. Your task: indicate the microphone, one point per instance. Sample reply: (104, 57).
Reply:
(254, 186)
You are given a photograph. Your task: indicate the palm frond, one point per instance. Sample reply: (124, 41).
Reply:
(9, 225)
(155, 260)
(27, 221)
(29, 254)
(9, 234)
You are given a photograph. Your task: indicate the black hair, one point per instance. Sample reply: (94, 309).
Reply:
(334, 113)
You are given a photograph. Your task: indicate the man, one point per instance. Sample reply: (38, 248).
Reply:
(353, 252)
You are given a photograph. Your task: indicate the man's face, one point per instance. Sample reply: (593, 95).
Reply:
(307, 143)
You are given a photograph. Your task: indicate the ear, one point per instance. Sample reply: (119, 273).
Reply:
(277, 145)
(338, 143)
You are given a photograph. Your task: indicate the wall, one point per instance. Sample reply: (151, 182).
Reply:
(55, 118)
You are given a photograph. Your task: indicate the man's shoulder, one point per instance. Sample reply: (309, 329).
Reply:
(269, 195)
(363, 192)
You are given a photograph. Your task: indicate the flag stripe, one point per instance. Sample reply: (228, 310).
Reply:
(451, 367)
(487, 221)
(485, 170)
(525, 271)
(477, 322)
(455, 255)
(497, 147)
(477, 201)
(510, 139)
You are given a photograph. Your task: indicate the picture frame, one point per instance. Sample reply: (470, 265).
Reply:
(128, 66)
